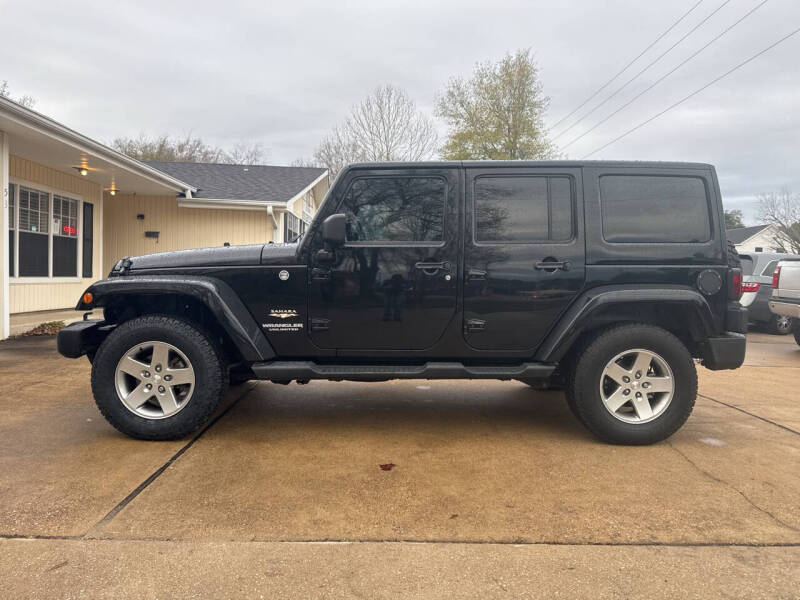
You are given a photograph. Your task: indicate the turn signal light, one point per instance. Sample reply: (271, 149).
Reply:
(750, 286)
(776, 276)
(88, 298)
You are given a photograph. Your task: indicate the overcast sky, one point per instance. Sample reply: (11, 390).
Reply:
(282, 73)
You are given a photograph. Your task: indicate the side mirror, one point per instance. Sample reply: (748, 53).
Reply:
(334, 230)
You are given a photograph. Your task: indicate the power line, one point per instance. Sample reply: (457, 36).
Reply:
(654, 61)
(626, 67)
(663, 77)
(694, 93)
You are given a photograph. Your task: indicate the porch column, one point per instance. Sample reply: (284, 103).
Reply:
(4, 250)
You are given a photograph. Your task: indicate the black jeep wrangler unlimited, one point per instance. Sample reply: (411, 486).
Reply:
(606, 279)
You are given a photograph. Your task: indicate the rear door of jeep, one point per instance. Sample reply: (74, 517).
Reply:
(523, 252)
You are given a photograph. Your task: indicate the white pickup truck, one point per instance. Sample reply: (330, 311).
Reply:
(785, 298)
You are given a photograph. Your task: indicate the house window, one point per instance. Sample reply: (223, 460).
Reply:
(293, 227)
(33, 239)
(308, 206)
(43, 233)
(12, 220)
(65, 236)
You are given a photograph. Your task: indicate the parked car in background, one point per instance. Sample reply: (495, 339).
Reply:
(785, 300)
(757, 270)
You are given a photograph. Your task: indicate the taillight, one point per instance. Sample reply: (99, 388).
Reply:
(750, 286)
(776, 276)
(736, 284)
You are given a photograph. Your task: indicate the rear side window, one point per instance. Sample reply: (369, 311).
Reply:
(523, 209)
(654, 209)
(395, 209)
(770, 268)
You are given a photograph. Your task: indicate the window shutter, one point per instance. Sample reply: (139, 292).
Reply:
(88, 238)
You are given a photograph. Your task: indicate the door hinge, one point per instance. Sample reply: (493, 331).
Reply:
(318, 324)
(476, 275)
(473, 325)
(318, 274)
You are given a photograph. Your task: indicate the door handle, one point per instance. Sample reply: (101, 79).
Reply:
(552, 265)
(431, 268)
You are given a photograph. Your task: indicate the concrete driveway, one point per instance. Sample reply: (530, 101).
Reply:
(494, 490)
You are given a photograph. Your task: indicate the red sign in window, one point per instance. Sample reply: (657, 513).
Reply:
(69, 230)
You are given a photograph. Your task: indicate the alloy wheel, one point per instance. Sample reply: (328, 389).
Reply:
(154, 380)
(636, 386)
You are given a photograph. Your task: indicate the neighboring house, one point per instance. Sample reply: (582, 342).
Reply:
(758, 238)
(71, 207)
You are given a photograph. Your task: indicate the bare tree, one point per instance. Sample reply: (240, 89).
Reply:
(26, 101)
(782, 210)
(245, 153)
(385, 126)
(187, 149)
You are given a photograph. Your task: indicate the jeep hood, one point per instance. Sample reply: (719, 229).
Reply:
(218, 256)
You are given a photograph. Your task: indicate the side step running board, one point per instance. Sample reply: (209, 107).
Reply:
(306, 370)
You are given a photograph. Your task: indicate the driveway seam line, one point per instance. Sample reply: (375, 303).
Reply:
(734, 407)
(644, 544)
(157, 473)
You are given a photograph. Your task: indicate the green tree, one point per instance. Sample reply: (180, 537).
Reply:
(498, 113)
(733, 219)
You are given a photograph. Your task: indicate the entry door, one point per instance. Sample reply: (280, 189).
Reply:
(524, 254)
(393, 286)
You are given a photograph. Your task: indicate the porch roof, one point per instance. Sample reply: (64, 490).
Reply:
(39, 138)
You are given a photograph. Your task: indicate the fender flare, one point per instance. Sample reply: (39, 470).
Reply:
(216, 295)
(579, 314)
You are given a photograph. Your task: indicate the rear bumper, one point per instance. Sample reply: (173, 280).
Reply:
(724, 352)
(77, 339)
(785, 308)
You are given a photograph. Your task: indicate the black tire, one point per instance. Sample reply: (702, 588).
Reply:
(584, 386)
(778, 325)
(209, 370)
(797, 334)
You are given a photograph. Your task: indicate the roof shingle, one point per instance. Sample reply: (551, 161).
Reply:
(737, 236)
(260, 183)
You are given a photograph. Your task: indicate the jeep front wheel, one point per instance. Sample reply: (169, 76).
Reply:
(633, 384)
(157, 378)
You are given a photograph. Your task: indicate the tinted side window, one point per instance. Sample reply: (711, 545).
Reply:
(652, 209)
(770, 268)
(523, 209)
(395, 209)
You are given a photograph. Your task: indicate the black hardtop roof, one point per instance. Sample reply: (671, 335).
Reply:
(532, 163)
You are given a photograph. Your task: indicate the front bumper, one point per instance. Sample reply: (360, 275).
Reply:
(82, 337)
(725, 352)
(785, 308)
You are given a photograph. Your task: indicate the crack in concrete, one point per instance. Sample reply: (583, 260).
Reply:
(733, 487)
(755, 416)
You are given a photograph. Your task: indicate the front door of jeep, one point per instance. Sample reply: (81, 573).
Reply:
(393, 285)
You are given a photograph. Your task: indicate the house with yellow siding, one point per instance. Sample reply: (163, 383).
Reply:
(72, 207)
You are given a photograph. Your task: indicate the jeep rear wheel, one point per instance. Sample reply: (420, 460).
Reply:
(633, 384)
(157, 378)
